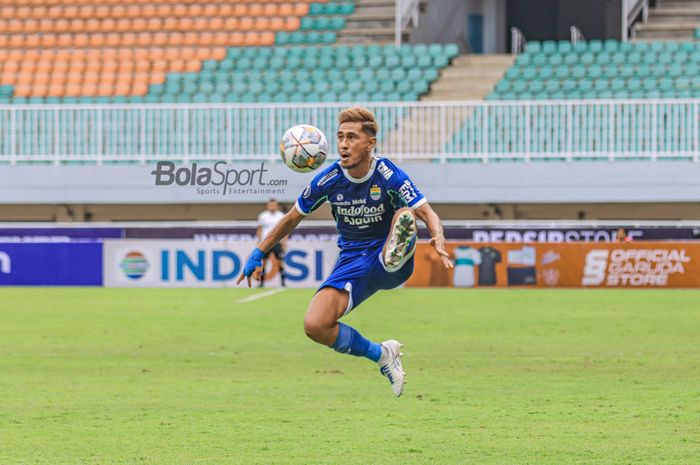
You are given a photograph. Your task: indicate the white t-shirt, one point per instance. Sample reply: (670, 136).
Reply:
(465, 260)
(267, 220)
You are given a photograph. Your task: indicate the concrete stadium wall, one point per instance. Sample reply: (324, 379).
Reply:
(591, 190)
(460, 183)
(249, 211)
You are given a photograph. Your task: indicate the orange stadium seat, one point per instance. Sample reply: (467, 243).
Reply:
(240, 9)
(102, 11)
(110, 66)
(105, 89)
(225, 10)
(91, 77)
(70, 11)
(261, 24)
(23, 90)
(118, 11)
(57, 46)
(133, 11)
(42, 78)
(86, 12)
(160, 65)
(219, 38)
(159, 78)
(255, 9)
(122, 88)
(285, 9)
(210, 9)
(139, 89)
(23, 12)
(164, 10)
(55, 89)
(301, 9)
(215, 23)
(149, 10)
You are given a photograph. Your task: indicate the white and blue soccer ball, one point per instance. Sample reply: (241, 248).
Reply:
(304, 148)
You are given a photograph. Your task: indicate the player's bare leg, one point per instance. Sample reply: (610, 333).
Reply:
(325, 309)
(321, 325)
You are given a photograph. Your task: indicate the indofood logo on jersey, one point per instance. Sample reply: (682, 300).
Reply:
(633, 267)
(361, 214)
(375, 192)
(134, 265)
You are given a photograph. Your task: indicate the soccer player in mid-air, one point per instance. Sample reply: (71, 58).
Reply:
(374, 204)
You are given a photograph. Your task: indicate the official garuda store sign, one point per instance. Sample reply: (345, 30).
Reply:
(602, 265)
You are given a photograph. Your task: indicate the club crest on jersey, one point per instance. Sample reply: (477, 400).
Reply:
(375, 192)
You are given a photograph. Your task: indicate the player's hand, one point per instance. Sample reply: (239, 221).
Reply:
(253, 267)
(438, 243)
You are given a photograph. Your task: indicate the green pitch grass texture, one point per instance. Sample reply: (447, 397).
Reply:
(560, 377)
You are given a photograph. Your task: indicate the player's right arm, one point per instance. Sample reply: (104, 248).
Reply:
(315, 194)
(281, 230)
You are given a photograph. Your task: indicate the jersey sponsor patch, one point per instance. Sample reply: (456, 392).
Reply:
(407, 191)
(306, 192)
(327, 177)
(385, 170)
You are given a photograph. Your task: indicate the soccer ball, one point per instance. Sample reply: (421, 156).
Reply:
(303, 148)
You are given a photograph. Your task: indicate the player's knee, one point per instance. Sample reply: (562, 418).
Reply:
(315, 329)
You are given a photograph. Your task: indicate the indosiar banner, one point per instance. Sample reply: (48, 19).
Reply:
(189, 263)
(602, 265)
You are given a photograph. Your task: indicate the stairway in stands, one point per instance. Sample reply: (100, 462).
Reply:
(469, 77)
(372, 22)
(670, 20)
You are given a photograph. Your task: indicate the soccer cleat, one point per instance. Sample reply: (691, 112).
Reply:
(402, 240)
(390, 365)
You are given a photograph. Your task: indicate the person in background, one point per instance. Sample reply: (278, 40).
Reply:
(621, 236)
(267, 220)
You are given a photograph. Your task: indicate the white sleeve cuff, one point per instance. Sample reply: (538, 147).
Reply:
(419, 203)
(296, 205)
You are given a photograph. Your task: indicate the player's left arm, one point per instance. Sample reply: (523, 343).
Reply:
(414, 198)
(437, 239)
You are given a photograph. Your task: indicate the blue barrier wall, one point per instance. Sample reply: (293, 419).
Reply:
(51, 264)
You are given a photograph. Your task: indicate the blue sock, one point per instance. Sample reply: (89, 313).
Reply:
(349, 341)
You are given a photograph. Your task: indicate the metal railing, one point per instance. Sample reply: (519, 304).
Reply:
(441, 131)
(576, 35)
(631, 9)
(407, 11)
(517, 41)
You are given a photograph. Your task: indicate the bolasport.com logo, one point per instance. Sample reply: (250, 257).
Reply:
(221, 178)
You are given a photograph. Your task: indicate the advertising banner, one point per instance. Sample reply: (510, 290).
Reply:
(58, 234)
(603, 265)
(51, 264)
(473, 233)
(152, 263)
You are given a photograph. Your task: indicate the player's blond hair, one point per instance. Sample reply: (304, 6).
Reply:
(358, 114)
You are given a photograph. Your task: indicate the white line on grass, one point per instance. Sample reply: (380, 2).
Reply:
(259, 296)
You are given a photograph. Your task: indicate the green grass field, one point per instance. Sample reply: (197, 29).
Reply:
(116, 376)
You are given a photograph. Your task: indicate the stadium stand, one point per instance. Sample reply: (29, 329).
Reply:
(594, 72)
(302, 74)
(175, 52)
(668, 20)
(602, 69)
